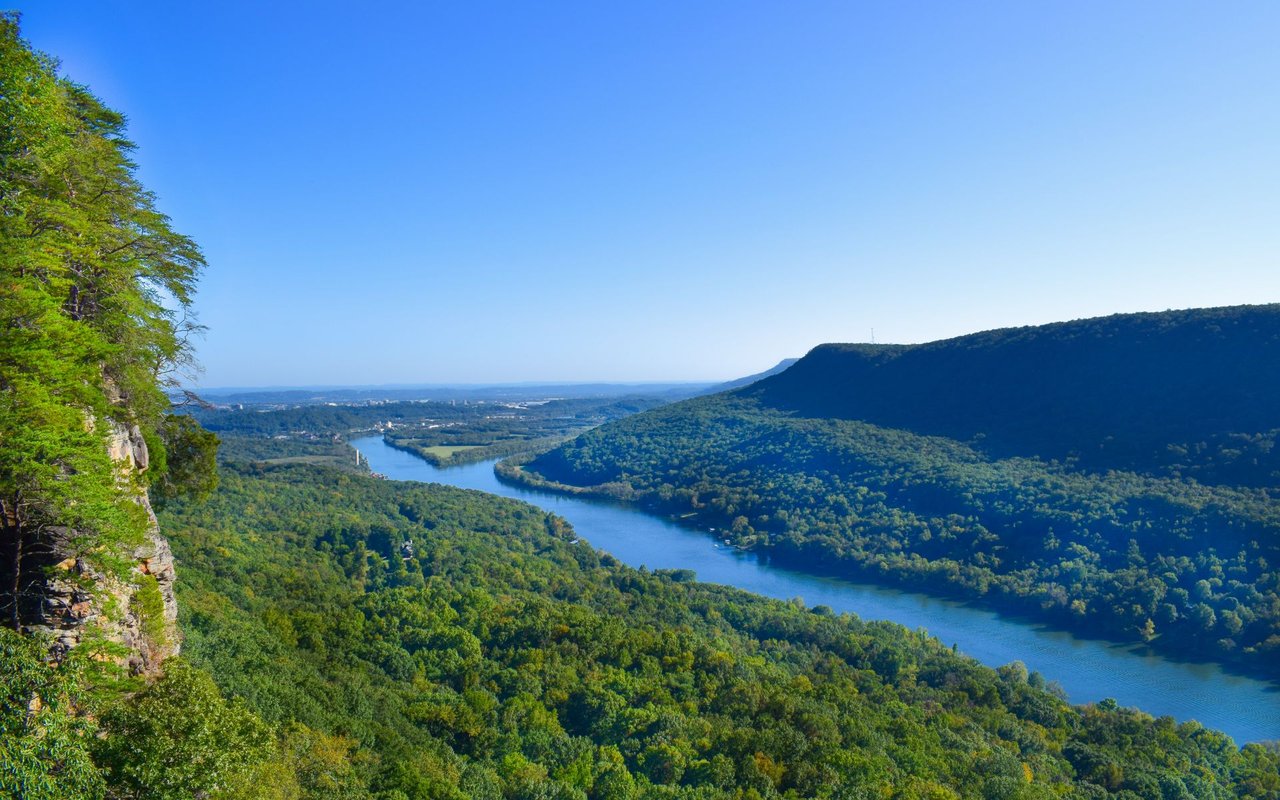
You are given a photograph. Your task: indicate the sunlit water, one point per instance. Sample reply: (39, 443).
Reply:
(1247, 709)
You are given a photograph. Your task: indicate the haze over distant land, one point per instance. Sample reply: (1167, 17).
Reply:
(521, 392)
(658, 191)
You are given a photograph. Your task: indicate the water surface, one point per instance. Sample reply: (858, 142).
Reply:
(1246, 709)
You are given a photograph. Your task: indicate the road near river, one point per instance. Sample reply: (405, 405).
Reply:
(1246, 709)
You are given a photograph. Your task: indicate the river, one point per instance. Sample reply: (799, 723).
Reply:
(1247, 709)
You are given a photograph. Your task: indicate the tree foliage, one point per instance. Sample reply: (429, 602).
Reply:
(95, 314)
(44, 743)
(191, 459)
(95, 293)
(180, 739)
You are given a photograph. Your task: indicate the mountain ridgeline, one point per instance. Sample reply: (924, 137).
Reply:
(1116, 476)
(1195, 391)
(737, 383)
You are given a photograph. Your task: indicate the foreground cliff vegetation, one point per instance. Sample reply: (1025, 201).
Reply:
(95, 290)
(1115, 476)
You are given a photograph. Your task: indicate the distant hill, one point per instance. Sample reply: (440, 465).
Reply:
(1159, 390)
(781, 366)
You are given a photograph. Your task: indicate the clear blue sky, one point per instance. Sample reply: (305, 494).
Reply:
(476, 192)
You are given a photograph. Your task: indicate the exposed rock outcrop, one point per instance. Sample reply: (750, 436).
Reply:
(140, 613)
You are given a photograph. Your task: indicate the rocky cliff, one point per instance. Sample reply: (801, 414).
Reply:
(68, 598)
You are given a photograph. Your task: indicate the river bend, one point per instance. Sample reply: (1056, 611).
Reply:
(1247, 709)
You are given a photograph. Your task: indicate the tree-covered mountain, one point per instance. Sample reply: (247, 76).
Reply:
(1184, 392)
(1159, 527)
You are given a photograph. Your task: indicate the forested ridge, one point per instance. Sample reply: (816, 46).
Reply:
(1177, 547)
(1192, 393)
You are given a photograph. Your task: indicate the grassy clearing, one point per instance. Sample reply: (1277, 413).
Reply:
(447, 450)
(318, 460)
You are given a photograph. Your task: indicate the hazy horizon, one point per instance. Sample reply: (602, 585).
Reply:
(431, 385)
(537, 383)
(578, 192)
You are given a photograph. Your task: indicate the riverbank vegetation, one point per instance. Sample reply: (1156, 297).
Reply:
(1185, 563)
(456, 455)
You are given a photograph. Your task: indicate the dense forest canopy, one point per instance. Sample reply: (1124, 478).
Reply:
(1174, 543)
(453, 644)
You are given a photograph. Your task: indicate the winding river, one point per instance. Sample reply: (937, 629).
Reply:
(1246, 709)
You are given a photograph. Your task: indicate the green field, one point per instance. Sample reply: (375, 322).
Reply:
(447, 450)
(317, 460)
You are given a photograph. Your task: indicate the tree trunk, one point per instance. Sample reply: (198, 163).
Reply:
(13, 536)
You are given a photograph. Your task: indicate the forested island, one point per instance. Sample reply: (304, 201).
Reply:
(1115, 476)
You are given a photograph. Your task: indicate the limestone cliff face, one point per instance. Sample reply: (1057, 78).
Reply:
(126, 612)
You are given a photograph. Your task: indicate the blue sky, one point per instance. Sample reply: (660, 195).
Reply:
(479, 192)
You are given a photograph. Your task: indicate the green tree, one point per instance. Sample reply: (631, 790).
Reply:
(190, 454)
(180, 739)
(44, 744)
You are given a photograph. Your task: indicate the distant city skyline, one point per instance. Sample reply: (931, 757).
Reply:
(500, 193)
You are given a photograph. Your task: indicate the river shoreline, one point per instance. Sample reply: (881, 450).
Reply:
(511, 470)
(1088, 670)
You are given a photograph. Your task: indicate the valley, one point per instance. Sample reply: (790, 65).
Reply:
(1088, 670)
